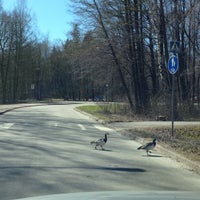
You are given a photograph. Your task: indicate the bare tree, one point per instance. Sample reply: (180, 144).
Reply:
(22, 35)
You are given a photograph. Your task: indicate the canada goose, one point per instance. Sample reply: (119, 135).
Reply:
(149, 146)
(100, 142)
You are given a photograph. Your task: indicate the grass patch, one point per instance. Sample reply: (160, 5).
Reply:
(95, 110)
(112, 112)
(109, 112)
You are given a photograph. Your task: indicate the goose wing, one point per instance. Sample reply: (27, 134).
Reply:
(98, 142)
(148, 146)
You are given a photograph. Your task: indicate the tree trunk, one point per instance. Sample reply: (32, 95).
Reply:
(128, 93)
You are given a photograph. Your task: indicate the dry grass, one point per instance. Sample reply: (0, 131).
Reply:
(112, 112)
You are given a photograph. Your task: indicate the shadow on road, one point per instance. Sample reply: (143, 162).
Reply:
(109, 150)
(153, 155)
(121, 169)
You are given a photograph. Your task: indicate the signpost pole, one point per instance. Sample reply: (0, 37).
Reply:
(172, 104)
(173, 65)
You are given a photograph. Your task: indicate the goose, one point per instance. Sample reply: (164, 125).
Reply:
(100, 142)
(148, 146)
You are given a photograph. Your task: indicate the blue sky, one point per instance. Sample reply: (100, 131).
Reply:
(52, 16)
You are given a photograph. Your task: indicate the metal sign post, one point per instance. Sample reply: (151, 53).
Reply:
(172, 104)
(173, 68)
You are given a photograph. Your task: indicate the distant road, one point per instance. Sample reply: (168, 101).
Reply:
(46, 150)
(147, 124)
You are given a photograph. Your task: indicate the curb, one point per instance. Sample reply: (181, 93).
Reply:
(5, 110)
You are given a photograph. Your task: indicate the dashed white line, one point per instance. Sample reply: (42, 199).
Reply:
(6, 125)
(103, 128)
(82, 127)
(53, 123)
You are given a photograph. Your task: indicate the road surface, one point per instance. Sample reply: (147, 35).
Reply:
(46, 150)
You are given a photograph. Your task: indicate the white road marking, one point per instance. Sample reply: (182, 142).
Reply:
(53, 123)
(6, 125)
(82, 127)
(103, 128)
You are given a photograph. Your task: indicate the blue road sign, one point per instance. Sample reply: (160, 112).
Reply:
(173, 64)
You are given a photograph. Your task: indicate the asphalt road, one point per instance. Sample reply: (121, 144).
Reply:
(148, 124)
(46, 150)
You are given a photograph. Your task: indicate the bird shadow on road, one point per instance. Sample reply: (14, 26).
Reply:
(153, 155)
(104, 150)
(107, 150)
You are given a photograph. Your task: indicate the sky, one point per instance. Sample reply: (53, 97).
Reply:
(52, 17)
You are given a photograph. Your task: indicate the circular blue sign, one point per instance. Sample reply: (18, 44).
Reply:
(173, 64)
